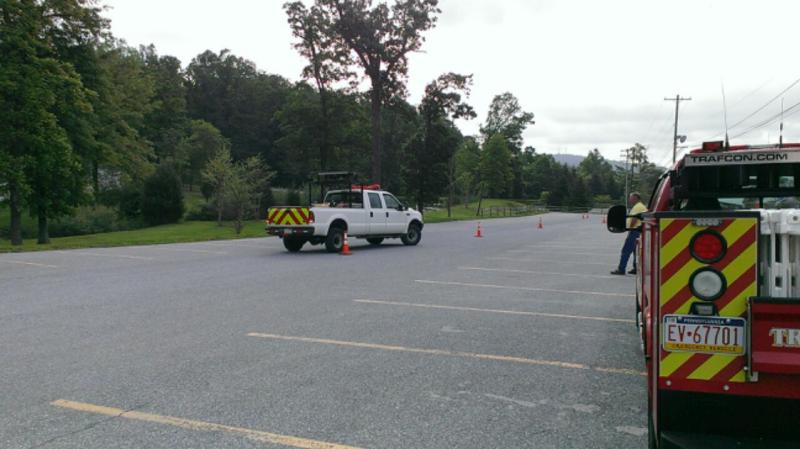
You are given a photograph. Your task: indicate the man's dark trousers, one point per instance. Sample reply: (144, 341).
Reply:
(627, 249)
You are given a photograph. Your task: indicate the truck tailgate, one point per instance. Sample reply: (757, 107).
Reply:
(289, 216)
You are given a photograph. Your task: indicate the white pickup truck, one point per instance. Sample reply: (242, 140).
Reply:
(374, 215)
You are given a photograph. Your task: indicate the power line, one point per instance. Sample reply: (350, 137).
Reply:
(766, 104)
(788, 112)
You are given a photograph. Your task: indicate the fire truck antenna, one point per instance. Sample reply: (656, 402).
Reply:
(780, 140)
(725, 114)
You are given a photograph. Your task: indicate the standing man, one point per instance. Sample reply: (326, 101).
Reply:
(634, 226)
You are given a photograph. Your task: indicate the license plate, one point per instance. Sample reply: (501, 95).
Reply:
(703, 334)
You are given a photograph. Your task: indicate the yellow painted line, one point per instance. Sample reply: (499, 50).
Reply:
(32, 264)
(532, 289)
(256, 435)
(499, 311)
(549, 260)
(549, 273)
(442, 352)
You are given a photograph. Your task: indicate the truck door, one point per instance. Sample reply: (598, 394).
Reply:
(395, 218)
(376, 217)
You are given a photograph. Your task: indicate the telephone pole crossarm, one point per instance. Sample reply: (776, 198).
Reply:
(677, 101)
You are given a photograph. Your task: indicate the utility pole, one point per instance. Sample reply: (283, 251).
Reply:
(677, 101)
(627, 153)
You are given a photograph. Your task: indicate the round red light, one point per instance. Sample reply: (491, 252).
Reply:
(708, 247)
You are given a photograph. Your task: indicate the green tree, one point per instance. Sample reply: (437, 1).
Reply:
(245, 187)
(437, 139)
(233, 95)
(217, 174)
(196, 149)
(166, 122)
(162, 199)
(495, 166)
(379, 38)
(125, 98)
(41, 99)
(328, 63)
(467, 168)
(507, 118)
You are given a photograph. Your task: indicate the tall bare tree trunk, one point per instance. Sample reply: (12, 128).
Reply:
(324, 145)
(480, 200)
(377, 90)
(16, 214)
(44, 235)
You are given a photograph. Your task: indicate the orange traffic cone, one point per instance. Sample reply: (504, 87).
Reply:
(541, 225)
(346, 247)
(478, 231)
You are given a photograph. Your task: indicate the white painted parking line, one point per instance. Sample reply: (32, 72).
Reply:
(225, 244)
(443, 352)
(533, 289)
(32, 264)
(548, 273)
(549, 260)
(196, 251)
(190, 424)
(550, 250)
(118, 256)
(497, 311)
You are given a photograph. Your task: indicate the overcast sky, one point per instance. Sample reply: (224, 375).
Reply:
(595, 73)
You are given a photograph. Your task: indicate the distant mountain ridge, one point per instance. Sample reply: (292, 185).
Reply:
(573, 160)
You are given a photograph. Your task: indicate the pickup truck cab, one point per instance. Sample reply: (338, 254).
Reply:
(361, 212)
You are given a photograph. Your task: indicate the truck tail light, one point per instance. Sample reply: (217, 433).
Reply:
(708, 246)
(311, 217)
(707, 284)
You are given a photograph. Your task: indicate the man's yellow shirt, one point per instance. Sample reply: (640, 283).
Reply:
(638, 208)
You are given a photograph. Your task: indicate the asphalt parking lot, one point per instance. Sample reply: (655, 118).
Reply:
(519, 339)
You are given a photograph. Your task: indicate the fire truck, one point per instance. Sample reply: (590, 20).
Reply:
(718, 298)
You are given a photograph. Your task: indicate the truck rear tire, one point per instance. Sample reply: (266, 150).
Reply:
(412, 236)
(292, 244)
(335, 240)
(375, 240)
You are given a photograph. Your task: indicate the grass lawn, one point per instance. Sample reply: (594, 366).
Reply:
(459, 212)
(195, 231)
(190, 231)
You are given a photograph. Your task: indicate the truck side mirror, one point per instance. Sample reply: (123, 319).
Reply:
(616, 219)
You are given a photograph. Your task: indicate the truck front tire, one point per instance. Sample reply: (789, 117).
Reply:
(412, 236)
(335, 240)
(292, 244)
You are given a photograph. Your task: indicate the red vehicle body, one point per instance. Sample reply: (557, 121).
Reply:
(718, 299)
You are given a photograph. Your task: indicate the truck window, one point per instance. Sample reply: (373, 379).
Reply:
(391, 202)
(345, 199)
(375, 201)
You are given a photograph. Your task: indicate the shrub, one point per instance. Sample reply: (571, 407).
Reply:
(162, 202)
(90, 220)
